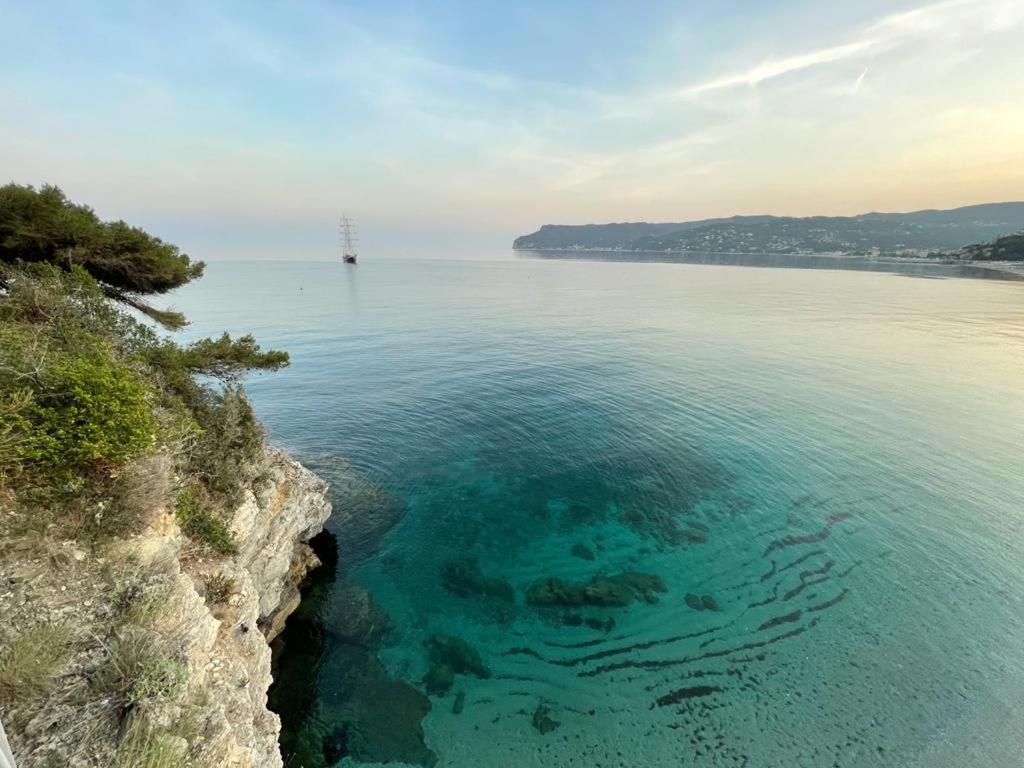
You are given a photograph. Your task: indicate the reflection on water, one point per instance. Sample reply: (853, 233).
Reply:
(786, 261)
(621, 514)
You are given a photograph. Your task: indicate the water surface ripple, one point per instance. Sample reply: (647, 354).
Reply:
(823, 468)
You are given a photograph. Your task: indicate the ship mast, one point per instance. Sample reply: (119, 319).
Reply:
(348, 240)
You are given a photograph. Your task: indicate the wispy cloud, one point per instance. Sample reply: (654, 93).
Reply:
(949, 19)
(860, 80)
(773, 68)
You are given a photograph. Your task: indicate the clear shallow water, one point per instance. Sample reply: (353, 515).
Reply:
(833, 457)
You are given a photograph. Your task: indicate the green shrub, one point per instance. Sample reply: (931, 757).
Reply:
(227, 454)
(201, 524)
(90, 410)
(69, 407)
(13, 431)
(70, 306)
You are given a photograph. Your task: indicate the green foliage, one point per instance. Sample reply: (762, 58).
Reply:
(158, 677)
(39, 225)
(44, 226)
(68, 306)
(89, 410)
(169, 319)
(226, 358)
(200, 523)
(98, 413)
(13, 432)
(130, 259)
(64, 346)
(30, 662)
(228, 451)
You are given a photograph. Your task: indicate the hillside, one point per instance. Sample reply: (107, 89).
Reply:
(919, 231)
(1007, 248)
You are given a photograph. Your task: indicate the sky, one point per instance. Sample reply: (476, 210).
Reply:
(243, 130)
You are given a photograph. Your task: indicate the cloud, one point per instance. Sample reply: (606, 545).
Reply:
(950, 19)
(773, 68)
(860, 80)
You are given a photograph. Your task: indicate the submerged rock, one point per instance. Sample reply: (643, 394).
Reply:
(459, 704)
(605, 626)
(644, 585)
(367, 716)
(555, 592)
(657, 523)
(542, 719)
(576, 620)
(387, 724)
(363, 511)
(582, 551)
(355, 617)
(439, 679)
(579, 513)
(465, 579)
(450, 656)
(457, 654)
(605, 591)
(702, 602)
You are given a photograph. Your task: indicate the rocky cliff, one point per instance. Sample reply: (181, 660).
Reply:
(210, 617)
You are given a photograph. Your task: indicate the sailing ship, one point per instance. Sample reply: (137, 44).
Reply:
(348, 240)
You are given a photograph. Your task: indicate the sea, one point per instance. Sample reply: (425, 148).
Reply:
(602, 512)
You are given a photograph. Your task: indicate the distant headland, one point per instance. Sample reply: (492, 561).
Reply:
(943, 234)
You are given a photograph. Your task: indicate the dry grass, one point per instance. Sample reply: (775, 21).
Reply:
(137, 492)
(138, 596)
(218, 589)
(145, 746)
(135, 671)
(30, 663)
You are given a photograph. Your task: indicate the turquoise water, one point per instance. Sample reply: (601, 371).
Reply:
(832, 458)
